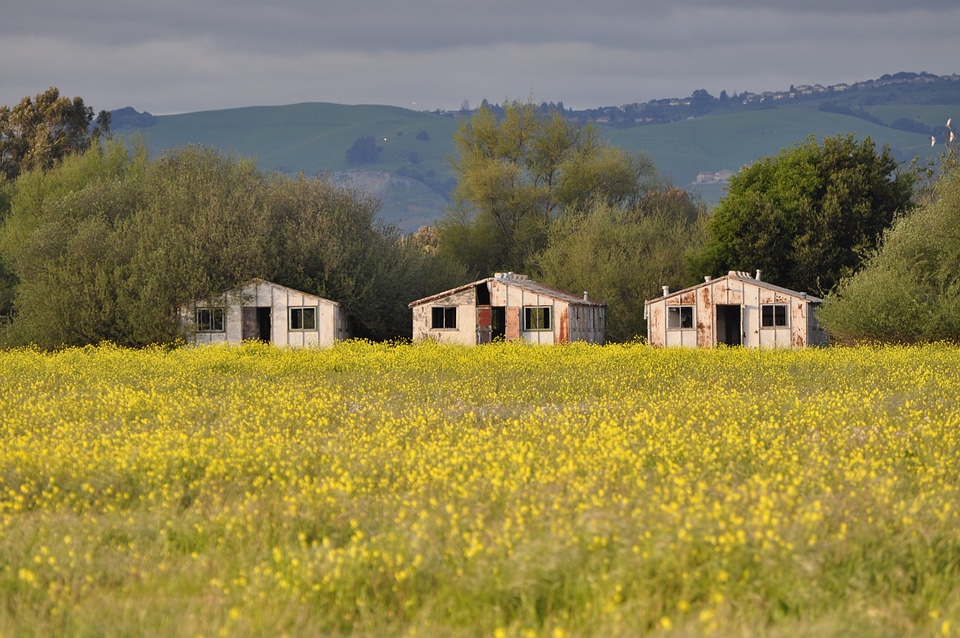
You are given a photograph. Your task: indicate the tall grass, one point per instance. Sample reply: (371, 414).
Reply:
(508, 490)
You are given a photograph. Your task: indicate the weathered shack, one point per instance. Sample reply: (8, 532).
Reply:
(736, 309)
(511, 307)
(264, 311)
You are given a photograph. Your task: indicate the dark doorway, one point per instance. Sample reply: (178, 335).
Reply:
(729, 330)
(255, 323)
(490, 323)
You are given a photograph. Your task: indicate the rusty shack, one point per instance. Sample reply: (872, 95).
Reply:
(735, 310)
(264, 311)
(511, 307)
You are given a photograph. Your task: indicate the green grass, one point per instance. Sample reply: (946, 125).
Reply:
(509, 490)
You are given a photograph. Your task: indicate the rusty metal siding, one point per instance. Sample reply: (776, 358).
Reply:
(739, 290)
(513, 323)
(706, 335)
(465, 301)
(241, 322)
(571, 318)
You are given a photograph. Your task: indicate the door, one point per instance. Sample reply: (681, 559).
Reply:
(729, 325)
(255, 323)
(490, 323)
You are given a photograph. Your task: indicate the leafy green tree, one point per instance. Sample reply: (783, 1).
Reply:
(909, 289)
(807, 216)
(105, 246)
(519, 172)
(38, 132)
(364, 150)
(623, 257)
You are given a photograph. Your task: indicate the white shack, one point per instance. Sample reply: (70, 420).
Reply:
(265, 311)
(736, 310)
(511, 307)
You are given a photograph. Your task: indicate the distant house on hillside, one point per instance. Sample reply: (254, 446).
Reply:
(264, 311)
(508, 306)
(735, 310)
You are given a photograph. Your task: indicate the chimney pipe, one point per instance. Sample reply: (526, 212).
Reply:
(707, 278)
(666, 290)
(758, 275)
(585, 298)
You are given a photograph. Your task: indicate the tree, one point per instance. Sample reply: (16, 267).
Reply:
(363, 151)
(623, 257)
(105, 246)
(909, 289)
(518, 173)
(807, 216)
(38, 132)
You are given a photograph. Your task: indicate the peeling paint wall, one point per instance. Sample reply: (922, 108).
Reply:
(568, 322)
(331, 323)
(717, 304)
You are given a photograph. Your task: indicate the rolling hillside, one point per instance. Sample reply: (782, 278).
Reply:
(411, 173)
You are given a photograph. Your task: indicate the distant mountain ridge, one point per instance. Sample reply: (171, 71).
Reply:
(697, 141)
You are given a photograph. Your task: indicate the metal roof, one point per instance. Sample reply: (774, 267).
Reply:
(520, 281)
(742, 277)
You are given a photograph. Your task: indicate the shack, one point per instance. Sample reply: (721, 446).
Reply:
(508, 306)
(264, 311)
(735, 310)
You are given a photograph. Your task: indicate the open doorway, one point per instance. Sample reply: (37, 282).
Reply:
(255, 323)
(729, 325)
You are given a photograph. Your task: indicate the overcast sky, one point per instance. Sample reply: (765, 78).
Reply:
(179, 56)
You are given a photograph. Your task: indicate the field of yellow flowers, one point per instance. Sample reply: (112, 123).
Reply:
(505, 490)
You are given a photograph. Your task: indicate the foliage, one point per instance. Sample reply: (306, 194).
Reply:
(807, 216)
(38, 132)
(381, 490)
(909, 289)
(105, 246)
(364, 150)
(623, 257)
(517, 173)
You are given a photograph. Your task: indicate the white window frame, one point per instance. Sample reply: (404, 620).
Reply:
(773, 316)
(303, 312)
(215, 321)
(445, 313)
(675, 316)
(537, 318)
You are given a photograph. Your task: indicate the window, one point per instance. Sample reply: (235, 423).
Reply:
(680, 317)
(444, 318)
(536, 318)
(303, 318)
(210, 319)
(773, 315)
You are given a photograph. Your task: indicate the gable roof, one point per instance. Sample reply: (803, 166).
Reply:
(520, 281)
(263, 282)
(743, 277)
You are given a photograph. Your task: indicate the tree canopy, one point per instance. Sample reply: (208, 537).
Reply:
(105, 246)
(519, 172)
(807, 216)
(909, 289)
(38, 132)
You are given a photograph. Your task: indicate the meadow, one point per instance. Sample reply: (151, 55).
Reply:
(505, 490)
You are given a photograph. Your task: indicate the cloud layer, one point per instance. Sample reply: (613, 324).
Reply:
(180, 56)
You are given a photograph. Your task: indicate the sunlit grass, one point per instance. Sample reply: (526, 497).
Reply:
(506, 490)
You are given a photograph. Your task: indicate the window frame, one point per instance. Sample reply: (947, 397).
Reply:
(773, 324)
(678, 312)
(447, 316)
(303, 312)
(544, 322)
(215, 321)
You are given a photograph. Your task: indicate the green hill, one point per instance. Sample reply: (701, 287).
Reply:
(411, 173)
